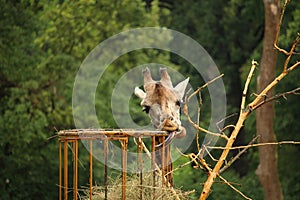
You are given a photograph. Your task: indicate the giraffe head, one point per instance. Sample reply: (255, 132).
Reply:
(161, 101)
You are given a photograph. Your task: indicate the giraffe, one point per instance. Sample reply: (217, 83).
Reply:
(161, 101)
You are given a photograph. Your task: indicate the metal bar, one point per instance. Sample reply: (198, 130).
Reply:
(140, 165)
(91, 169)
(163, 166)
(105, 168)
(153, 163)
(124, 166)
(168, 165)
(92, 133)
(77, 166)
(163, 161)
(66, 170)
(75, 169)
(60, 173)
(74, 179)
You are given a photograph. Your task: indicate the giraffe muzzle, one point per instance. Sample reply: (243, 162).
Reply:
(175, 132)
(170, 126)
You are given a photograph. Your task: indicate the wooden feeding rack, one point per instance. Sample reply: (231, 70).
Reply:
(72, 137)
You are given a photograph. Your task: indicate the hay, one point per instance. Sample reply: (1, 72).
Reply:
(133, 190)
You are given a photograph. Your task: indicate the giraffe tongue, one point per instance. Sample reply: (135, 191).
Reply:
(172, 128)
(168, 140)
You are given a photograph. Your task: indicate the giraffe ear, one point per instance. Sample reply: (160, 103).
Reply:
(139, 93)
(180, 88)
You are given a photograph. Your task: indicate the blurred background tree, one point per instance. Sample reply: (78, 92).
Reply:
(42, 45)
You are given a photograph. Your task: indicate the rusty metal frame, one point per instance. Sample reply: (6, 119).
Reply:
(72, 136)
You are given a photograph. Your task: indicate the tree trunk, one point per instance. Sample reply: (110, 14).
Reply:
(267, 169)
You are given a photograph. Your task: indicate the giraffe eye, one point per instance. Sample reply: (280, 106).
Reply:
(178, 103)
(146, 109)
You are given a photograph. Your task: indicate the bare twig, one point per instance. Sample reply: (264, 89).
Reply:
(237, 156)
(222, 120)
(203, 165)
(283, 95)
(185, 110)
(203, 86)
(254, 64)
(290, 54)
(278, 29)
(256, 145)
(213, 159)
(232, 187)
(198, 120)
(263, 94)
(227, 127)
(193, 159)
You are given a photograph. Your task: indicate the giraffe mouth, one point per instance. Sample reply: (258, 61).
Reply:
(170, 126)
(175, 131)
(174, 134)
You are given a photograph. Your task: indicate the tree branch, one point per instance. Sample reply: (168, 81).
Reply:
(283, 95)
(278, 29)
(256, 145)
(232, 187)
(254, 64)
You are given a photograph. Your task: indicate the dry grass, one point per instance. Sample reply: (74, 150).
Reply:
(133, 190)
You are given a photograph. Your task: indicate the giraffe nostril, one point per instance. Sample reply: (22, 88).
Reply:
(171, 118)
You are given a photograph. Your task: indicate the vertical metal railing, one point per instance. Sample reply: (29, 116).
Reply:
(91, 169)
(124, 166)
(140, 165)
(105, 167)
(75, 169)
(60, 173)
(66, 170)
(153, 164)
